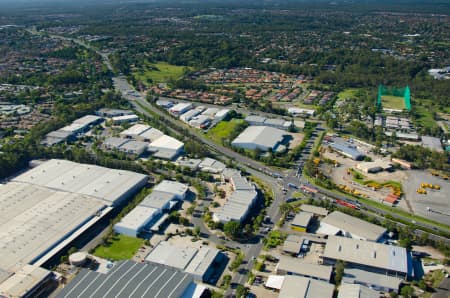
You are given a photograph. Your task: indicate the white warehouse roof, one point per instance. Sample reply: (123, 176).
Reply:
(167, 143)
(172, 187)
(33, 219)
(171, 255)
(132, 223)
(302, 287)
(135, 130)
(107, 184)
(166, 147)
(387, 257)
(356, 291)
(350, 226)
(262, 137)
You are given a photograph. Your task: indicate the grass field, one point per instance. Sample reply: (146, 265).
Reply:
(120, 248)
(223, 130)
(425, 117)
(160, 72)
(348, 93)
(392, 102)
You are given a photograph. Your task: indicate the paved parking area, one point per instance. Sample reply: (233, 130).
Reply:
(437, 200)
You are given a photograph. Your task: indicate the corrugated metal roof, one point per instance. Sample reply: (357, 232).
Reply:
(129, 279)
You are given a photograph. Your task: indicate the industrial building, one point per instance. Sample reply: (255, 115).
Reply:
(271, 122)
(341, 224)
(44, 209)
(301, 221)
(186, 117)
(263, 138)
(57, 137)
(374, 166)
(180, 108)
(201, 263)
(179, 190)
(124, 119)
(211, 166)
(130, 279)
(138, 218)
(243, 197)
(348, 151)
(133, 147)
(221, 114)
(150, 135)
(163, 198)
(134, 131)
(293, 244)
(164, 103)
(71, 131)
(166, 147)
(191, 163)
(295, 266)
(317, 211)
(410, 136)
(432, 143)
(369, 256)
(302, 287)
(376, 281)
(109, 185)
(26, 282)
(200, 122)
(301, 112)
(110, 113)
(356, 291)
(142, 132)
(125, 145)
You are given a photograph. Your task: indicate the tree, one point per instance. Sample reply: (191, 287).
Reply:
(232, 229)
(196, 231)
(407, 291)
(241, 291)
(340, 266)
(285, 208)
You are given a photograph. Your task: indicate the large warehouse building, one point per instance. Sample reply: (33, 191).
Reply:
(369, 256)
(348, 151)
(259, 137)
(338, 223)
(49, 206)
(130, 279)
(239, 203)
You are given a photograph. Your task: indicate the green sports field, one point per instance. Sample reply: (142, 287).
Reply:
(393, 102)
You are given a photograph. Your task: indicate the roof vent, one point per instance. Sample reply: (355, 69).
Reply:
(357, 246)
(339, 248)
(374, 254)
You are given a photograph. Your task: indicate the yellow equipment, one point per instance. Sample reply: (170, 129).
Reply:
(421, 191)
